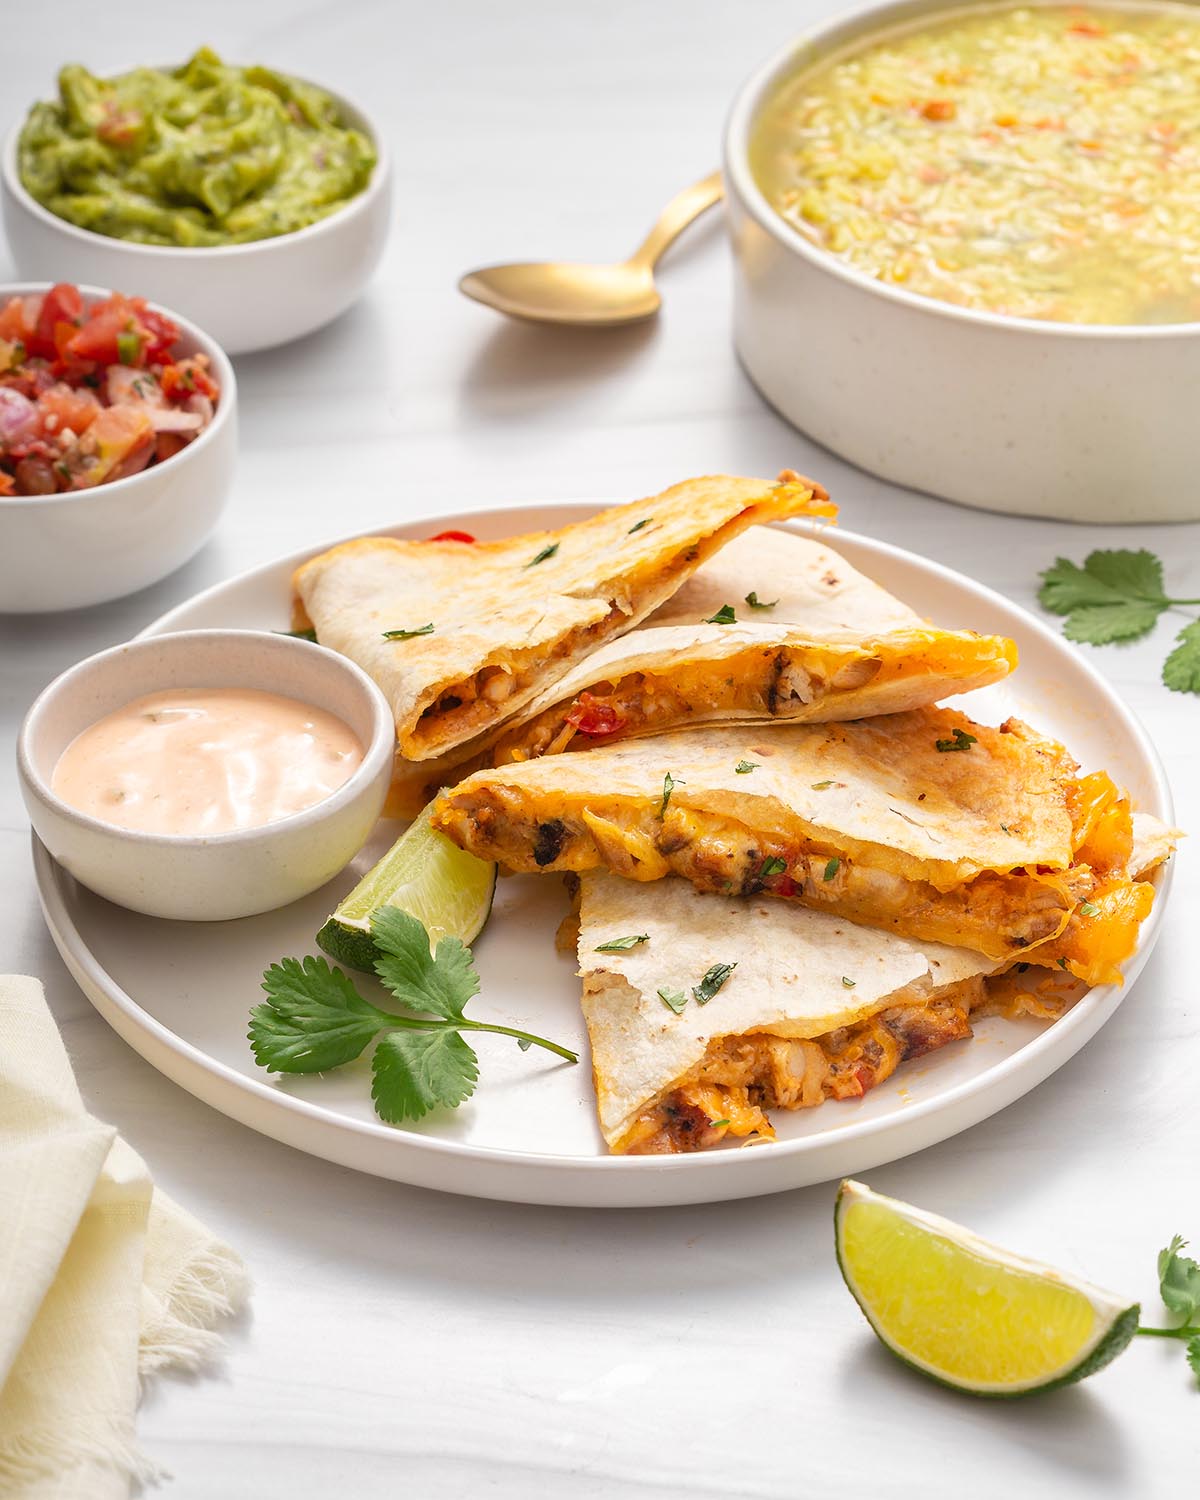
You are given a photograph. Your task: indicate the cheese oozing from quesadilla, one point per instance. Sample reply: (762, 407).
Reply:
(460, 637)
(923, 823)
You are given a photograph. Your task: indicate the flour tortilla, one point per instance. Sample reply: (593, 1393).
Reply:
(828, 624)
(512, 616)
(789, 981)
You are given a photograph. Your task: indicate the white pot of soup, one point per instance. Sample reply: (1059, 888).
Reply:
(967, 251)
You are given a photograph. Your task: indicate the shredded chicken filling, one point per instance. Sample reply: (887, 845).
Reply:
(741, 1077)
(1001, 914)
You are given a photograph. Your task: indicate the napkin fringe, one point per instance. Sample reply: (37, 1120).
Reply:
(212, 1284)
(99, 1440)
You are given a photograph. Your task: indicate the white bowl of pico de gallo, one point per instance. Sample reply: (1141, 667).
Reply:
(118, 435)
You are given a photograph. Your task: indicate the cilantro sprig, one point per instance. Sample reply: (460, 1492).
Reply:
(315, 1019)
(1119, 595)
(1179, 1287)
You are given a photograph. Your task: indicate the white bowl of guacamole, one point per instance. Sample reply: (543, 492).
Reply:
(255, 202)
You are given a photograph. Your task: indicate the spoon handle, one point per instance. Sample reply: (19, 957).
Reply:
(675, 218)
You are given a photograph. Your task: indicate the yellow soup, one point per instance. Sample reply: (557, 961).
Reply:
(1042, 162)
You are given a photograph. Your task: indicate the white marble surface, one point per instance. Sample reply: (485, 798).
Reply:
(450, 1347)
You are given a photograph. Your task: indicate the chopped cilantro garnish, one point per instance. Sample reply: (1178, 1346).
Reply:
(129, 347)
(724, 616)
(831, 868)
(669, 784)
(619, 945)
(755, 602)
(405, 635)
(637, 525)
(772, 866)
(300, 635)
(961, 741)
(823, 786)
(1088, 909)
(744, 767)
(712, 982)
(673, 999)
(712, 1124)
(545, 553)
(848, 983)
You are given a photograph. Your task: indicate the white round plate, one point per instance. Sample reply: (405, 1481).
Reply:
(180, 993)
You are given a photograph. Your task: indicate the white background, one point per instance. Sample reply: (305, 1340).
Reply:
(449, 1347)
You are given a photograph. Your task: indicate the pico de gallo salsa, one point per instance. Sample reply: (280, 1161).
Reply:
(90, 394)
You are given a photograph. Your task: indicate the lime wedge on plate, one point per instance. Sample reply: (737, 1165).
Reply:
(968, 1313)
(424, 874)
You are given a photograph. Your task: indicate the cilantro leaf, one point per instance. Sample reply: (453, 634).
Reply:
(413, 1072)
(673, 999)
(755, 602)
(1118, 595)
(832, 868)
(724, 616)
(543, 555)
(314, 1018)
(622, 944)
(744, 767)
(439, 984)
(1179, 1279)
(712, 982)
(1102, 624)
(1181, 670)
(1107, 577)
(407, 635)
(772, 865)
(961, 741)
(637, 525)
(848, 983)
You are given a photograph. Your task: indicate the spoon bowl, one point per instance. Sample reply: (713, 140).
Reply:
(591, 296)
(563, 292)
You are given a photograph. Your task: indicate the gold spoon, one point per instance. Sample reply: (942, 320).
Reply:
(592, 296)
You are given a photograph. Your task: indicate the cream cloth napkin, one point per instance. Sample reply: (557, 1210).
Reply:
(103, 1279)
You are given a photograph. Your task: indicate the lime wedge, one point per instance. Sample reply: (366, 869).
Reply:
(968, 1313)
(424, 874)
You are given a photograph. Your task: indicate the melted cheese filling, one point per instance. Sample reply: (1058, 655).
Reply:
(741, 1077)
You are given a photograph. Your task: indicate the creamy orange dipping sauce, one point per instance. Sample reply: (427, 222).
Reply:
(205, 761)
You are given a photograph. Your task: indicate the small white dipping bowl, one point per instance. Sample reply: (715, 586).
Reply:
(207, 879)
(249, 297)
(87, 546)
(1077, 421)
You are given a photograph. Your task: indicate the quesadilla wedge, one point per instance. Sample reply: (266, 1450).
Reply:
(819, 642)
(460, 637)
(813, 1008)
(770, 1006)
(921, 823)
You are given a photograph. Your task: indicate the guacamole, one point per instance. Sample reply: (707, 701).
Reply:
(205, 154)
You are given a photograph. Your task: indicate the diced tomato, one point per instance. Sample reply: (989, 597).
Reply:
(158, 332)
(61, 407)
(784, 885)
(595, 719)
(98, 338)
(61, 304)
(452, 536)
(187, 378)
(167, 445)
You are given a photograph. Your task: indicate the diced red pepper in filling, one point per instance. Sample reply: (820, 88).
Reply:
(452, 536)
(592, 717)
